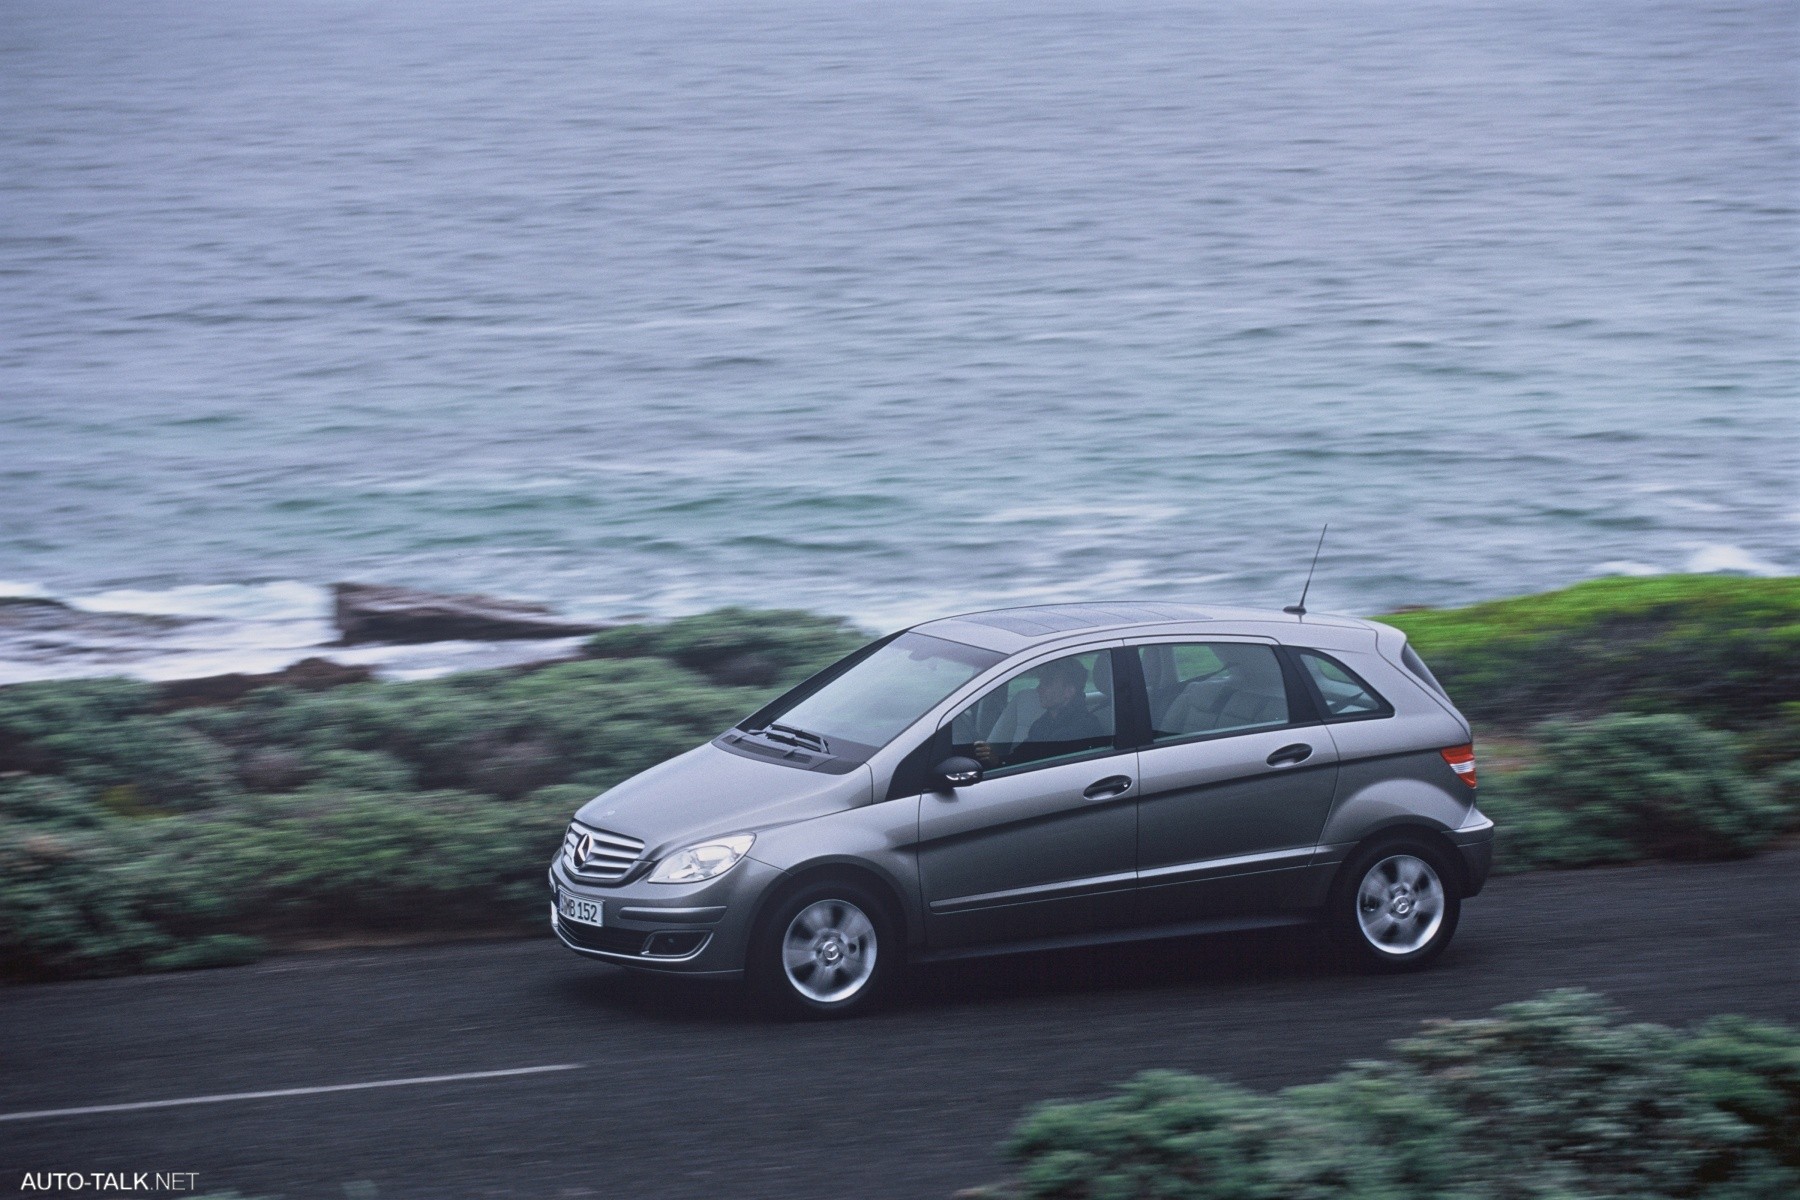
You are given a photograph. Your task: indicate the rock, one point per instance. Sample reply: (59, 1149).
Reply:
(748, 668)
(374, 613)
(271, 769)
(31, 603)
(515, 769)
(308, 675)
(317, 675)
(37, 614)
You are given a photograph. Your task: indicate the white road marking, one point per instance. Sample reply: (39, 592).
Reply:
(303, 1091)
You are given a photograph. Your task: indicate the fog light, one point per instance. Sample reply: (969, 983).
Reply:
(673, 945)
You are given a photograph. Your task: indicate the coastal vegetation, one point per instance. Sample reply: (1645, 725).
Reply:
(150, 827)
(1718, 648)
(1653, 717)
(1552, 1097)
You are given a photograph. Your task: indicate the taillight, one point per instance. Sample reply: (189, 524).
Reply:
(1462, 761)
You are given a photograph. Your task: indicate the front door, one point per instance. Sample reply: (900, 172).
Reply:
(1235, 783)
(1046, 843)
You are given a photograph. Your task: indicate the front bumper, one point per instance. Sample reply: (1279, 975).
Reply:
(687, 929)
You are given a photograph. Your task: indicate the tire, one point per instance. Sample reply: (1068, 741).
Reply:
(1394, 906)
(828, 949)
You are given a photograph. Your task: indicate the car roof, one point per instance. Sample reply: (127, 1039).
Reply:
(1011, 630)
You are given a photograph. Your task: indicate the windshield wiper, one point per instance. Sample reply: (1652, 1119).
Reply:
(776, 732)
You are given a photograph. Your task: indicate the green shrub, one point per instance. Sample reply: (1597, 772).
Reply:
(1558, 1092)
(562, 797)
(358, 771)
(196, 890)
(49, 802)
(1630, 787)
(1170, 1135)
(1784, 790)
(1551, 1099)
(1774, 741)
(1717, 647)
(428, 860)
(30, 711)
(499, 733)
(100, 735)
(738, 646)
(66, 907)
(1751, 1071)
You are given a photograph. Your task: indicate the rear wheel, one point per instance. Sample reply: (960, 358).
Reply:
(828, 949)
(1395, 906)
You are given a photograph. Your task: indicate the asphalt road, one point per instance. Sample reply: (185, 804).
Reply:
(679, 1093)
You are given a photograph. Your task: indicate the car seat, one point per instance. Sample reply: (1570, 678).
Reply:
(1247, 693)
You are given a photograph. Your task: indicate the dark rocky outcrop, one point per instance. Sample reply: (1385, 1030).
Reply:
(39, 614)
(309, 675)
(376, 613)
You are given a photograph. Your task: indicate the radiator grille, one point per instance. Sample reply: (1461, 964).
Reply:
(609, 856)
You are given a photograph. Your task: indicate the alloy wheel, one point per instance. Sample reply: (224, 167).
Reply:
(1400, 904)
(829, 951)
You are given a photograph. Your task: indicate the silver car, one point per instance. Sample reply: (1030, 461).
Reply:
(1043, 777)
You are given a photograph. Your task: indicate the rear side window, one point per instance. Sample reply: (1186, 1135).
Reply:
(1198, 689)
(1343, 693)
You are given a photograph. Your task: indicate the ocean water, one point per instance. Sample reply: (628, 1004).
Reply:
(884, 310)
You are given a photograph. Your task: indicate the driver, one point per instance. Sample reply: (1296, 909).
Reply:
(1066, 725)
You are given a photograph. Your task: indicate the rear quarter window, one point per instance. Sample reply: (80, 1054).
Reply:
(1342, 692)
(1416, 665)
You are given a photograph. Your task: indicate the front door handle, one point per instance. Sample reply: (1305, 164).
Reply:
(1112, 785)
(1299, 752)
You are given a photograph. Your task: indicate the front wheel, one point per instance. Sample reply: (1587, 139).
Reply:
(1395, 906)
(829, 949)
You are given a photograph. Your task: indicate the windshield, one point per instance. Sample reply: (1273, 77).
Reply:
(866, 707)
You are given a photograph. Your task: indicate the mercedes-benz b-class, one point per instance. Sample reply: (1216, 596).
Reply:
(1043, 777)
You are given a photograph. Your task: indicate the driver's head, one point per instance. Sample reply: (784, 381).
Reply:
(1060, 682)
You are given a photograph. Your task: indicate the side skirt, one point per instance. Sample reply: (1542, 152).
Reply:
(1111, 937)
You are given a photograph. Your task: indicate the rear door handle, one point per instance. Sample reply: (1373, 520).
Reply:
(1299, 752)
(1112, 785)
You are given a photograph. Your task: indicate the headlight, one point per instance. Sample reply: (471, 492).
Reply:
(706, 860)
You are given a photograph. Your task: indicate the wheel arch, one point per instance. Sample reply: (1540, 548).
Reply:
(1401, 831)
(849, 870)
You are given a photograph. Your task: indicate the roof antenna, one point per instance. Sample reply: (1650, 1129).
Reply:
(1299, 610)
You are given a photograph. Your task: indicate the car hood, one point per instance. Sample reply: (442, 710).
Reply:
(709, 791)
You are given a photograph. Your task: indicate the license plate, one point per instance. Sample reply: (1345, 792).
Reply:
(574, 908)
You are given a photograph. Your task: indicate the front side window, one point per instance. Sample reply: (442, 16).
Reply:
(1060, 711)
(1344, 694)
(871, 703)
(1201, 688)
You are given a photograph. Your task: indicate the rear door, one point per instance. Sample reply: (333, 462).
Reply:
(1046, 843)
(1236, 776)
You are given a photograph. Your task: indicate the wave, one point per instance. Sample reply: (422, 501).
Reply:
(280, 600)
(1710, 559)
(1720, 559)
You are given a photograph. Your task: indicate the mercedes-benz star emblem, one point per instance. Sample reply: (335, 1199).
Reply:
(582, 847)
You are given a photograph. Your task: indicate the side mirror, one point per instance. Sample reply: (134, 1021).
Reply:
(956, 772)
